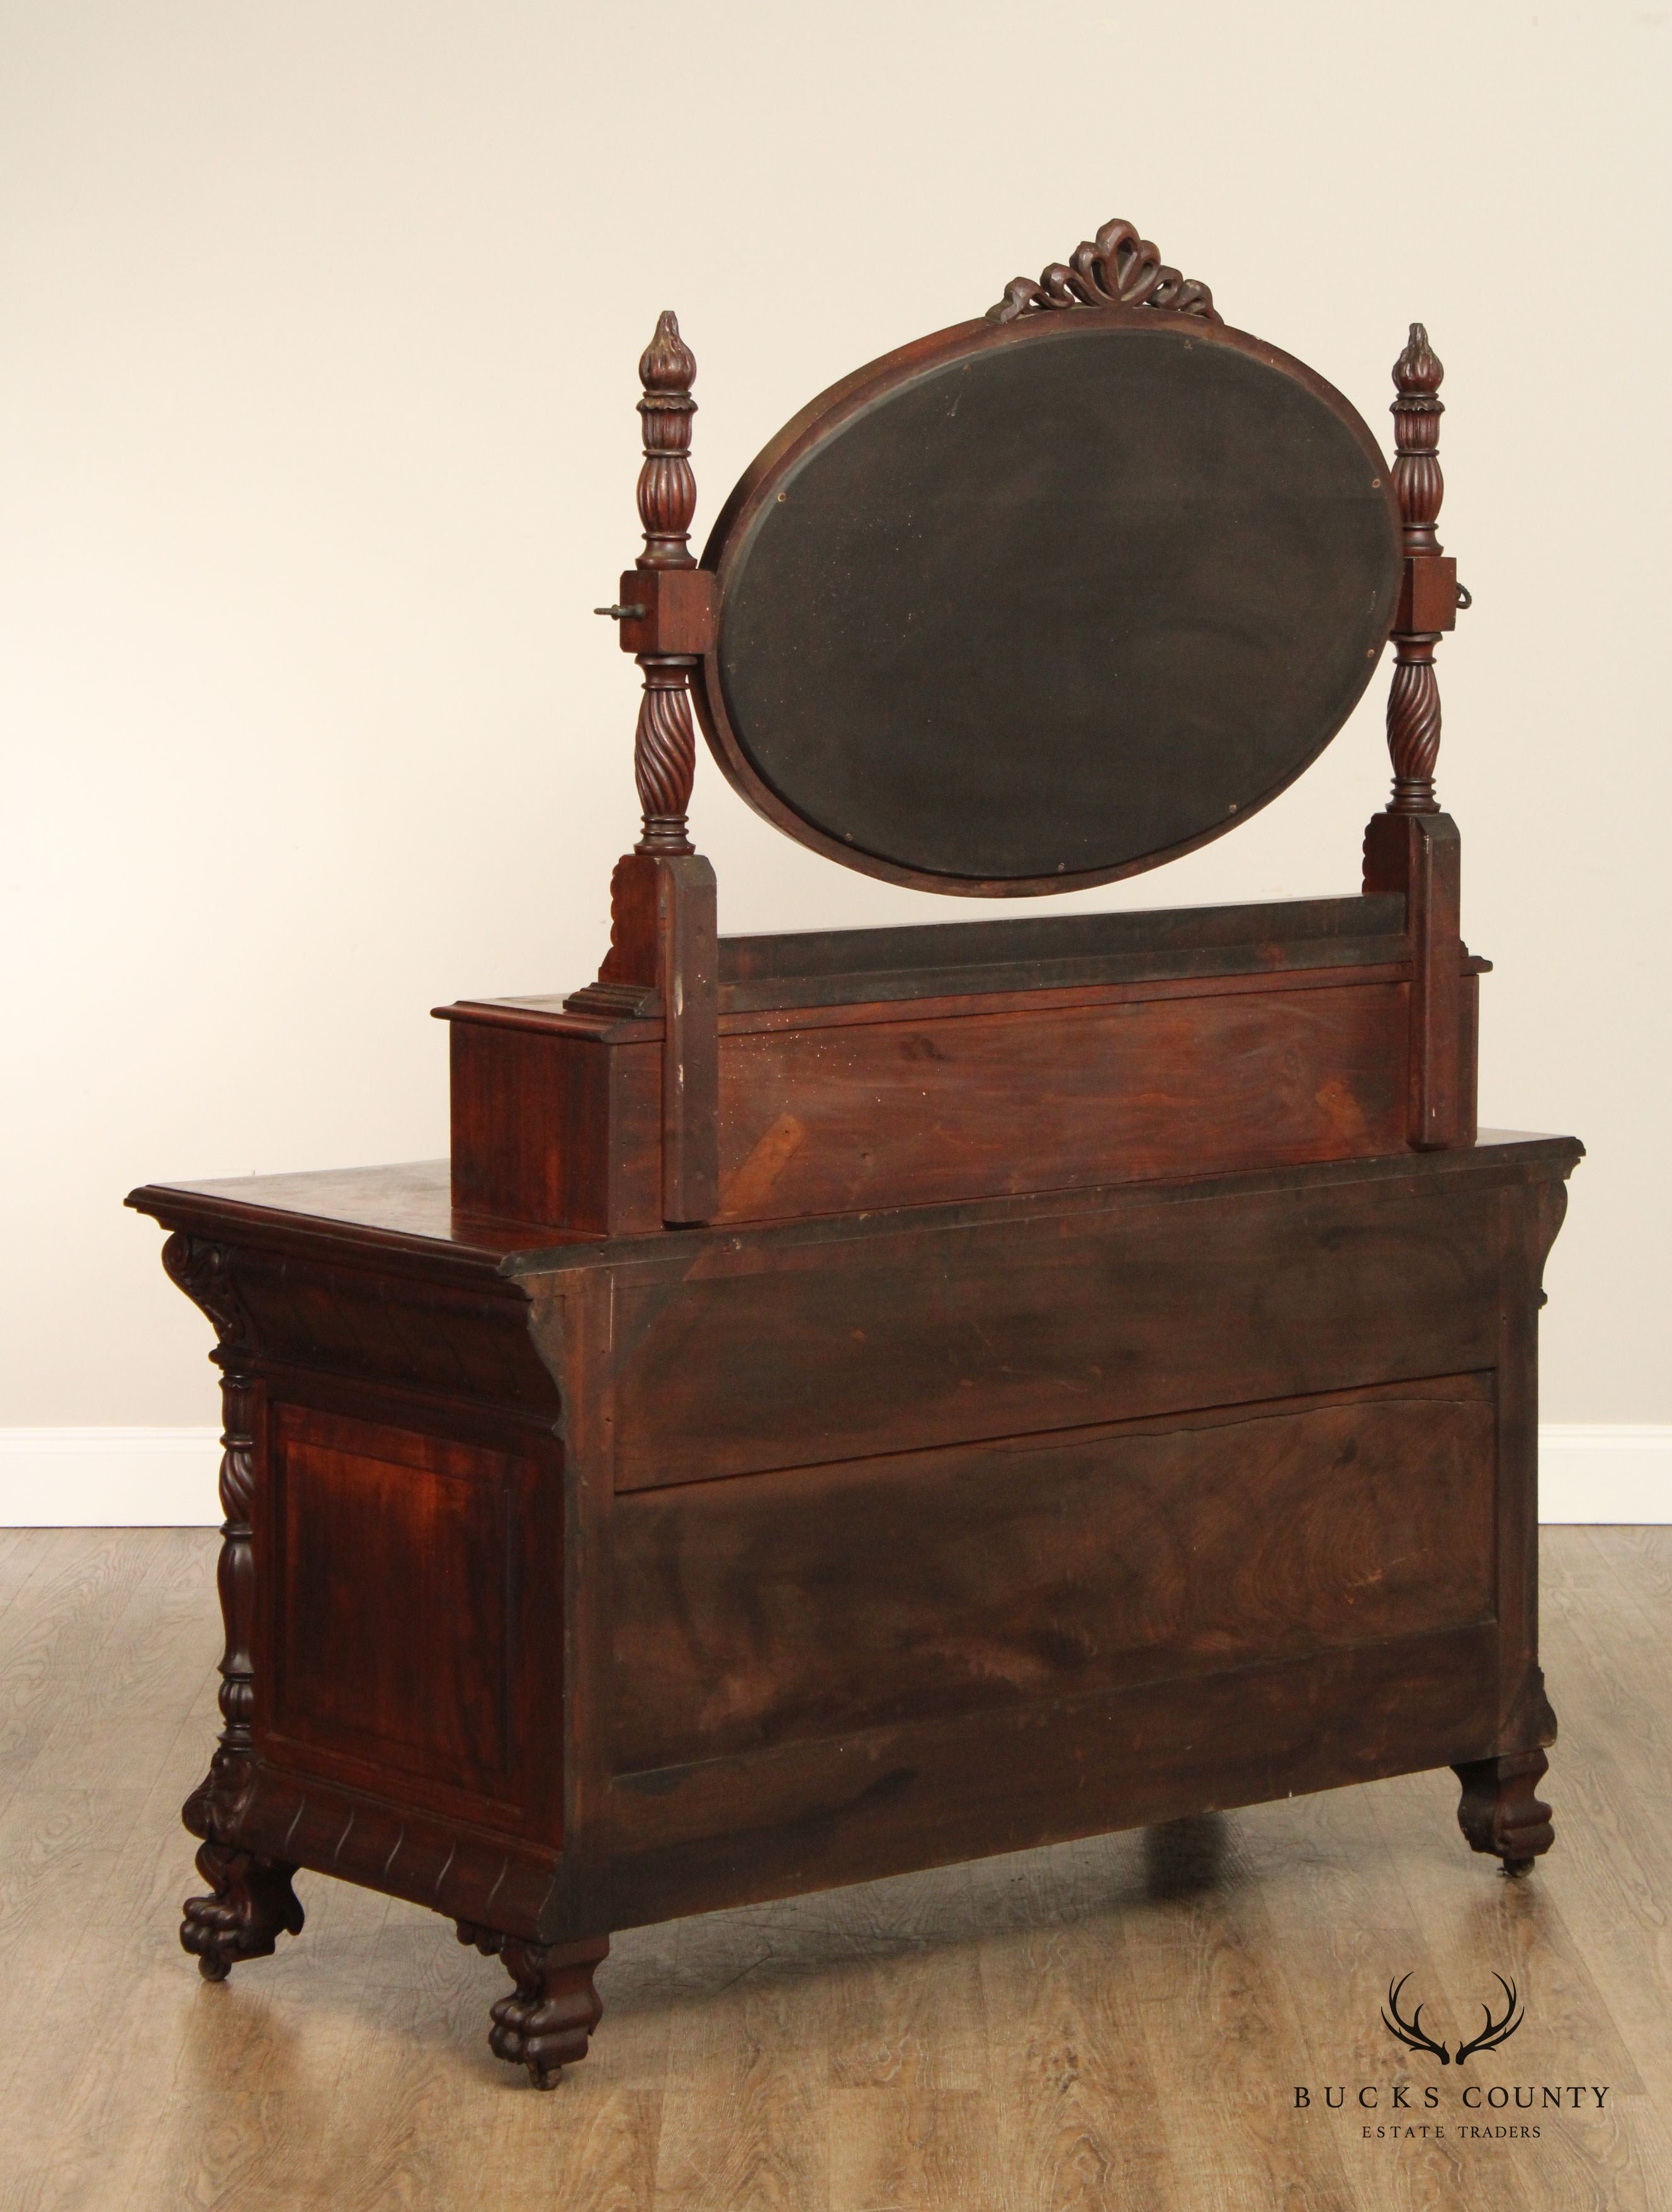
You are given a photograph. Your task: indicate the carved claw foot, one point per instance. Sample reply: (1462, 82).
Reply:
(1501, 1811)
(251, 1905)
(548, 2021)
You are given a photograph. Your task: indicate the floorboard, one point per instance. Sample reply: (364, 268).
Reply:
(1124, 2023)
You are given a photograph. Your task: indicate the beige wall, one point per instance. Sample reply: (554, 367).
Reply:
(321, 318)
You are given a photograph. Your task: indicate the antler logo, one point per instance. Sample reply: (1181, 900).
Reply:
(1495, 2030)
(1410, 2032)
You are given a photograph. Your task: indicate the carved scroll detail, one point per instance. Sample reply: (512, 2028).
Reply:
(250, 1901)
(1117, 269)
(199, 1268)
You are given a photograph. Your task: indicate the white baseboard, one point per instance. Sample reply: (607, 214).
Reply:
(109, 1478)
(166, 1477)
(1605, 1471)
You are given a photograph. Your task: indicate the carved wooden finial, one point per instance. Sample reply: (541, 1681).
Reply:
(666, 488)
(1419, 370)
(667, 363)
(1414, 713)
(664, 750)
(1117, 269)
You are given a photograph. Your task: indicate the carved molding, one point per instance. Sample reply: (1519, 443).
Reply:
(1117, 269)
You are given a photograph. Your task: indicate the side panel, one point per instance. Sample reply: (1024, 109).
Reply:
(397, 1641)
(408, 1546)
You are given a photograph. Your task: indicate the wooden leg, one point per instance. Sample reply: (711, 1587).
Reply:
(1501, 1811)
(250, 1906)
(548, 2021)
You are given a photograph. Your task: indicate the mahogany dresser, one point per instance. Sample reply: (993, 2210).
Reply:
(860, 1400)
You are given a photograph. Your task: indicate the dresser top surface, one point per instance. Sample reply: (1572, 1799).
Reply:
(406, 1208)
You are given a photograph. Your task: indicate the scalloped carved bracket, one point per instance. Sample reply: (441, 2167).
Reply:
(1552, 1212)
(1116, 269)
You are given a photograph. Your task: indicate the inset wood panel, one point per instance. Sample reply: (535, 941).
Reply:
(394, 1589)
(915, 1113)
(806, 1604)
(783, 1353)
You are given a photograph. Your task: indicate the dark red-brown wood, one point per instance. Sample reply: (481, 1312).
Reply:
(662, 960)
(1412, 848)
(859, 1400)
(581, 1583)
(1148, 1045)
(1428, 598)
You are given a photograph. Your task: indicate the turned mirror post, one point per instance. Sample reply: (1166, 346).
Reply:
(664, 956)
(1411, 847)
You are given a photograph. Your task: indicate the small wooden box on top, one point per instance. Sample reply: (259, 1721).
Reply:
(863, 1400)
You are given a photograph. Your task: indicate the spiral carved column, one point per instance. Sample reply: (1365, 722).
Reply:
(1413, 701)
(664, 750)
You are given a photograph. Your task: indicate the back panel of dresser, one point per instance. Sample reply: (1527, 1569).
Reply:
(937, 1540)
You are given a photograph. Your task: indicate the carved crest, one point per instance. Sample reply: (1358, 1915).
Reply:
(1116, 269)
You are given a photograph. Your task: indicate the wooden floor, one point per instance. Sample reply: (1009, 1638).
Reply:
(1118, 2023)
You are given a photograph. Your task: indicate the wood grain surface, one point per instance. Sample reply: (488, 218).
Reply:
(1110, 2024)
(762, 1610)
(916, 1112)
